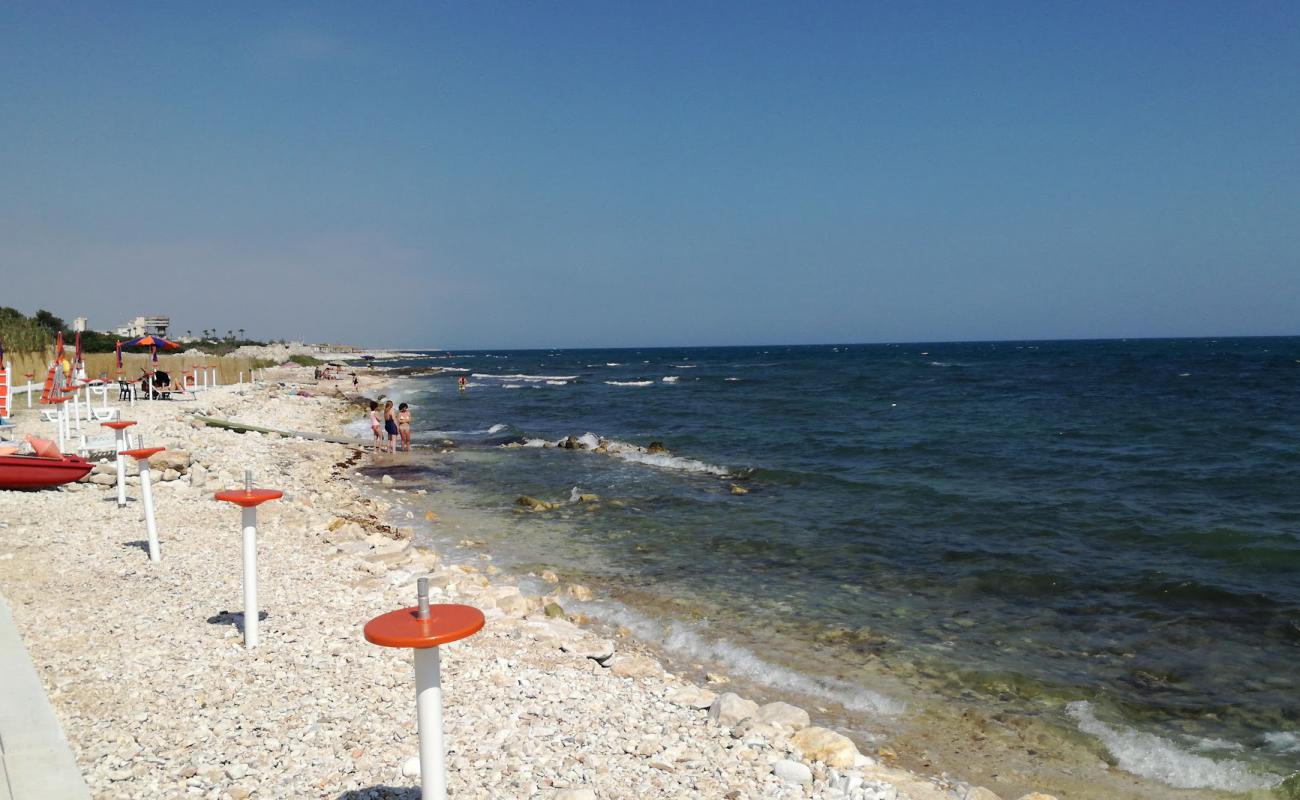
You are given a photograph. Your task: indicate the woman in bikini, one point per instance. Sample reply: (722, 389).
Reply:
(374, 424)
(390, 426)
(404, 425)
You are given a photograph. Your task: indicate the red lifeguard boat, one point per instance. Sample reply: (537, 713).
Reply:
(38, 472)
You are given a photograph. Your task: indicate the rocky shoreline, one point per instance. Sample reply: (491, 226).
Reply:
(145, 666)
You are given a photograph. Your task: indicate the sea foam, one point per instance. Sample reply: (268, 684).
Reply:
(630, 383)
(1153, 756)
(525, 378)
(700, 643)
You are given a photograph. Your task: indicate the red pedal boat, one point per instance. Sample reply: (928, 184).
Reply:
(37, 472)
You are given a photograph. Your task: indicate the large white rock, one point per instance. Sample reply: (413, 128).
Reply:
(692, 697)
(178, 460)
(635, 666)
(792, 772)
(730, 708)
(785, 715)
(596, 649)
(514, 605)
(826, 746)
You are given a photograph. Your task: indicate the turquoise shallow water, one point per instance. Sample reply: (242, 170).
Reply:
(1112, 523)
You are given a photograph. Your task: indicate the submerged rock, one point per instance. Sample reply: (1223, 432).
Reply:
(579, 592)
(532, 503)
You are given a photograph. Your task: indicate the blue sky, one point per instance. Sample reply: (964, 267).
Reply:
(587, 174)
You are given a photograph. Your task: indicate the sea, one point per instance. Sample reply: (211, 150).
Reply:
(1071, 561)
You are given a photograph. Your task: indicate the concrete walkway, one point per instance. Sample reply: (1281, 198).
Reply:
(35, 761)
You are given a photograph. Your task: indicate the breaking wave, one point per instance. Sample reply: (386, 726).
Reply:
(525, 378)
(1153, 756)
(589, 442)
(699, 643)
(630, 383)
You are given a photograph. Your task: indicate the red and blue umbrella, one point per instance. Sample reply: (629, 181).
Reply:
(154, 343)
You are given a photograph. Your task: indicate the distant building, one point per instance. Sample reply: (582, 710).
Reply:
(145, 326)
(79, 325)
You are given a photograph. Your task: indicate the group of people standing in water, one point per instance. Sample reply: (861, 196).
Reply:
(390, 426)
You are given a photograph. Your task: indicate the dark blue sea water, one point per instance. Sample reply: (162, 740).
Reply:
(1105, 534)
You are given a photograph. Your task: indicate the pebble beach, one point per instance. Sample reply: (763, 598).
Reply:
(145, 666)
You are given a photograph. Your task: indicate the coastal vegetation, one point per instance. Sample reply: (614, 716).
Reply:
(20, 333)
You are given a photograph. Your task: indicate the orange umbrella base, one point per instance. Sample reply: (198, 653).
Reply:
(448, 622)
(248, 498)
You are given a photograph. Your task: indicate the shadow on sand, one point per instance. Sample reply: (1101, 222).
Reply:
(235, 618)
(382, 793)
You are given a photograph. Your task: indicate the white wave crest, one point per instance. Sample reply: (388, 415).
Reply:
(630, 383)
(669, 379)
(733, 379)
(685, 366)
(525, 378)
(638, 455)
(1283, 741)
(704, 644)
(1152, 756)
(512, 386)
(497, 428)
(557, 383)
(635, 454)
(454, 369)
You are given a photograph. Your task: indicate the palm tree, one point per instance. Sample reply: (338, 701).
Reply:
(188, 335)
(241, 333)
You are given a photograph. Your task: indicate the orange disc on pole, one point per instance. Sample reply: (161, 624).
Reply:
(142, 452)
(248, 498)
(447, 622)
(117, 425)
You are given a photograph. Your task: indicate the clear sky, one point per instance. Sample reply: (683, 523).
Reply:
(559, 174)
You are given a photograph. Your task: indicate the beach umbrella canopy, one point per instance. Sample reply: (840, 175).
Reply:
(152, 341)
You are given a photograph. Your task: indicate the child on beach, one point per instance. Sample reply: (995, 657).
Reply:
(404, 425)
(390, 426)
(374, 424)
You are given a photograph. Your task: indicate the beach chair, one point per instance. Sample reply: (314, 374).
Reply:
(98, 446)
